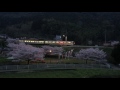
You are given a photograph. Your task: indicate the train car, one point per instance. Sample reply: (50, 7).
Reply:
(48, 42)
(59, 43)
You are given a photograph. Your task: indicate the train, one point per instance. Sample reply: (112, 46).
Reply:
(48, 42)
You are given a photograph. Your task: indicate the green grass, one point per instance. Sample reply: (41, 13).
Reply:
(80, 73)
(3, 60)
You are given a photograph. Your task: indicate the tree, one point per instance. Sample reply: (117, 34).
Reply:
(113, 43)
(2, 44)
(24, 52)
(116, 53)
(52, 50)
(91, 54)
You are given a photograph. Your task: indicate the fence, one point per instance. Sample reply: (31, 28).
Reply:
(5, 68)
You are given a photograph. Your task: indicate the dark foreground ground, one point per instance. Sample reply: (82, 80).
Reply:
(77, 73)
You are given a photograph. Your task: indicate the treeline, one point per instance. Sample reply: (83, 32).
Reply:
(81, 27)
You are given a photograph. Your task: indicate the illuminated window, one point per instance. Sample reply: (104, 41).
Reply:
(46, 41)
(53, 41)
(61, 42)
(41, 41)
(50, 41)
(57, 42)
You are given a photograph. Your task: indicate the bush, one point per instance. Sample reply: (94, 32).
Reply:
(116, 53)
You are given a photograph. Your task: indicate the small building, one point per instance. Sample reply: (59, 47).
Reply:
(58, 38)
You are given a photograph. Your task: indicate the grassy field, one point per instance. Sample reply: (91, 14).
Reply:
(80, 73)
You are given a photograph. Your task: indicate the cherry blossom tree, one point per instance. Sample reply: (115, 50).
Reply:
(24, 52)
(114, 43)
(52, 50)
(11, 40)
(49, 50)
(91, 54)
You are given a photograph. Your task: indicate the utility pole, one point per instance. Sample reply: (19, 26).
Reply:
(66, 36)
(105, 35)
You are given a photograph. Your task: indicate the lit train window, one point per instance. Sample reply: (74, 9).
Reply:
(57, 42)
(53, 41)
(41, 41)
(46, 41)
(61, 42)
(50, 41)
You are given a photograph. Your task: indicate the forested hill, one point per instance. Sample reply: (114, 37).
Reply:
(78, 26)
